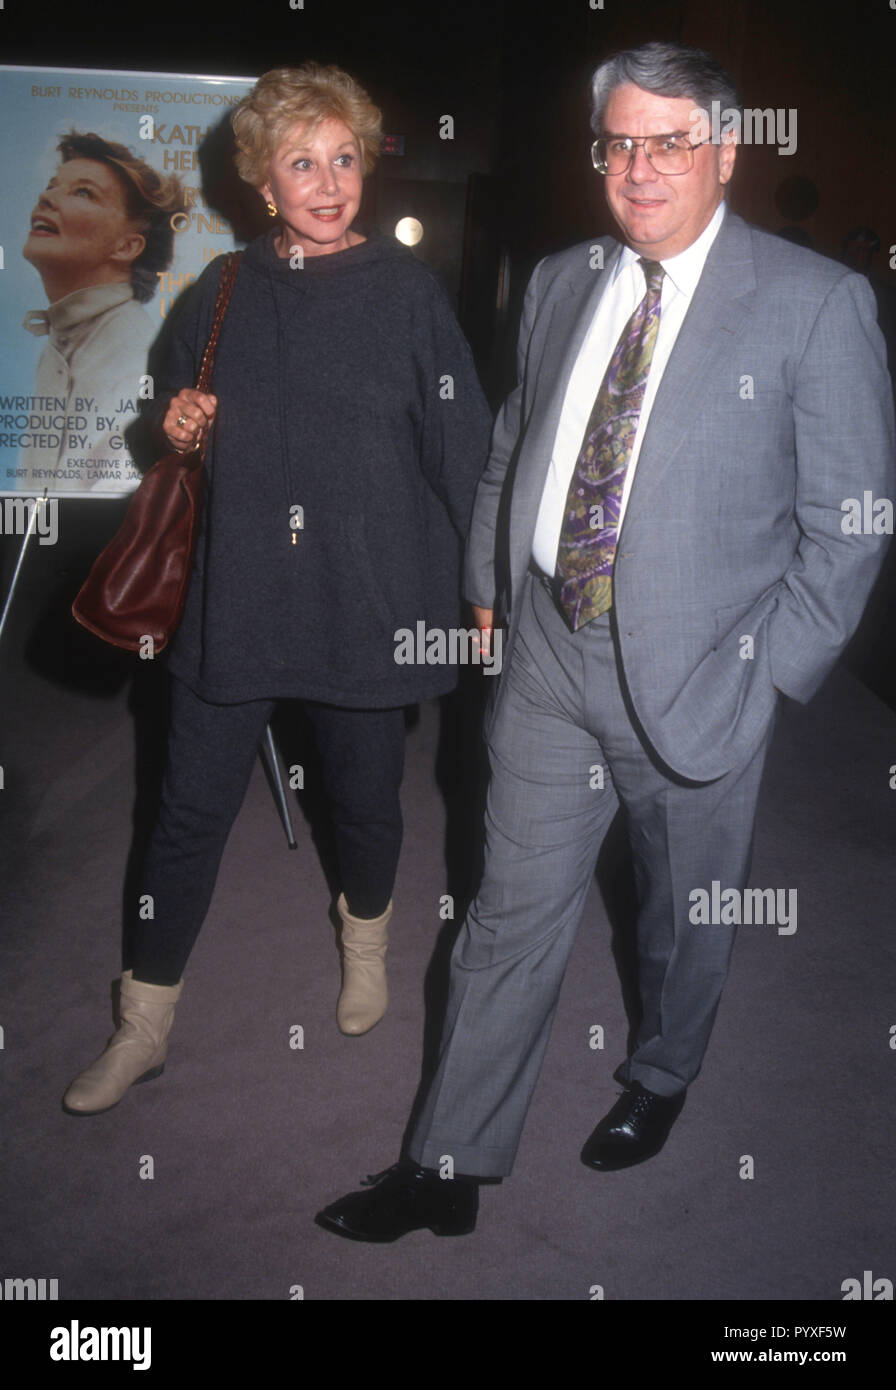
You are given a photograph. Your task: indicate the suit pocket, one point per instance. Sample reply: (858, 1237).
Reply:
(746, 618)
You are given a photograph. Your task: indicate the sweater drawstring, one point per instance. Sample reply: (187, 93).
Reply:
(293, 510)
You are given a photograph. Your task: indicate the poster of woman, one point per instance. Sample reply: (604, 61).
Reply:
(111, 225)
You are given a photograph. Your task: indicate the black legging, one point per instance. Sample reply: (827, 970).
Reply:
(211, 753)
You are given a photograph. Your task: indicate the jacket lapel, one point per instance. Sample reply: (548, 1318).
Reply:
(717, 313)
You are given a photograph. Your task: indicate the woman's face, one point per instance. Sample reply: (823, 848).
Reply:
(315, 179)
(80, 228)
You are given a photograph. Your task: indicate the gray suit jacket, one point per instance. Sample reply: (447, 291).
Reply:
(775, 407)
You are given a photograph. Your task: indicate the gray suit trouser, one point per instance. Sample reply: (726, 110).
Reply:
(561, 717)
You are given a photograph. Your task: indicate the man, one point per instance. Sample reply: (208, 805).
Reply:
(694, 407)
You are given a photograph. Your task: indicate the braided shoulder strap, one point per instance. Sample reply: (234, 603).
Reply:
(225, 289)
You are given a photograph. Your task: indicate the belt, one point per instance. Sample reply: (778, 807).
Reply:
(550, 585)
(538, 573)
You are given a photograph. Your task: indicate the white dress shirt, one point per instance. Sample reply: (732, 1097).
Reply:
(617, 304)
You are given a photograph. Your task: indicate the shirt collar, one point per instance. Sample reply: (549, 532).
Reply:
(685, 269)
(77, 307)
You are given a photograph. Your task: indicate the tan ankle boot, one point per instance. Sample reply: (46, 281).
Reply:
(364, 996)
(135, 1053)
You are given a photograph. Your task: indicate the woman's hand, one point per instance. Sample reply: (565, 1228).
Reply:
(189, 413)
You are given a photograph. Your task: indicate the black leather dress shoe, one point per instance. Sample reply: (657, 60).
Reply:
(404, 1198)
(635, 1129)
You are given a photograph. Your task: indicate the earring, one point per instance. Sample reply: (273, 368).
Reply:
(272, 209)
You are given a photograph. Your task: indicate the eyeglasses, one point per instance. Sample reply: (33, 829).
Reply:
(669, 154)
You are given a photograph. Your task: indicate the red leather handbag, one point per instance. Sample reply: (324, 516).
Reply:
(137, 585)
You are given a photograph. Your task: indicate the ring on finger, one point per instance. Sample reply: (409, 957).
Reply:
(181, 420)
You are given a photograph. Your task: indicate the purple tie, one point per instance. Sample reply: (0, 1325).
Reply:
(587, 548)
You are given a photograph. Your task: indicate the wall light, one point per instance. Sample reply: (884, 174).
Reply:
(409, 230)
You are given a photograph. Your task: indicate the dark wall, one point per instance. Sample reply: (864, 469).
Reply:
(516, 181)
(515, 80)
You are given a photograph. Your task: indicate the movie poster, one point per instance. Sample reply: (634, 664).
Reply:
(104, 221)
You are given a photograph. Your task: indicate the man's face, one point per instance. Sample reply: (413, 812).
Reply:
(661, 215)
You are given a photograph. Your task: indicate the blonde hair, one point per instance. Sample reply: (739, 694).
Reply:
(286, 97)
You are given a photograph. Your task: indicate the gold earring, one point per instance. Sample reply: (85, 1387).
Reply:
(272, 209)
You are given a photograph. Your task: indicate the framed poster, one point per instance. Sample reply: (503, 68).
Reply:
(105, 222)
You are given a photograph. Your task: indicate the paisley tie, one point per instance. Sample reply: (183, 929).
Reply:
(587, 548)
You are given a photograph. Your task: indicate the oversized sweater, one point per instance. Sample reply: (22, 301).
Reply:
(347, 390)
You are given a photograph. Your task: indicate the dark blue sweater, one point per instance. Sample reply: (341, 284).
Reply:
(345, 388)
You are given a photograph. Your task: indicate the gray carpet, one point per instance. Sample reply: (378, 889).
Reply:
(249, 1137)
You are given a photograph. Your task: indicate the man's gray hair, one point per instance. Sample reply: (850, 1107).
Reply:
(666, 70)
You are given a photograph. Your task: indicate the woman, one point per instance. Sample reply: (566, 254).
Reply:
(100, 234)
(342, 471)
